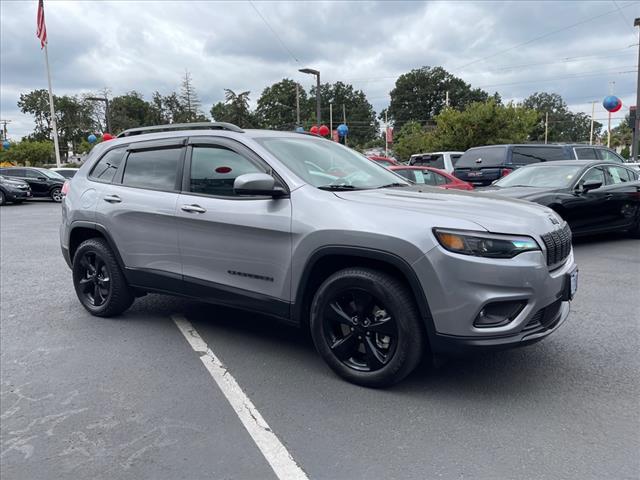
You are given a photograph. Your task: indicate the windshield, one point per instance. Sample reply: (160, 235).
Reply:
(51, 174)
(549, 176)
(329, 165)
(483, 157)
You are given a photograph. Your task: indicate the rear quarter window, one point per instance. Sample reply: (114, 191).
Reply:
(483, 157)
(526, 155)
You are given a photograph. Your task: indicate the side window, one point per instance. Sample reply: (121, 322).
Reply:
(13, 172)
(609, 156)
(440, 179)
(214, 169)
(527, 155)
(107, 166)
(618, 175)
(593, 174)
(426, 177)
(154, 169)
(437, 161)
(408, 174)
(586, 154)
(34, 174)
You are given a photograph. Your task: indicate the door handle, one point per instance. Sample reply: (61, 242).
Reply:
(608, 196)
(112, 199)
(193, 209)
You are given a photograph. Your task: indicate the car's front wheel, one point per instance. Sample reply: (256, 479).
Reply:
(56, 194)
(366, 326)
(99, 283)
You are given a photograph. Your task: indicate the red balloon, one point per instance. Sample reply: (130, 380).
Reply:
(107, 136)
(314, 130)
(616, 108)
(323, 130)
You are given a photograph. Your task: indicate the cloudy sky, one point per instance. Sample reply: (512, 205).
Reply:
(574, 48)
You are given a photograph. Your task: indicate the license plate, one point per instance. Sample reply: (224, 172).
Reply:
(571, 285)
(474, 174)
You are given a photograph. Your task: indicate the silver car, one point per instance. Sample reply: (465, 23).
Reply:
(311, 232)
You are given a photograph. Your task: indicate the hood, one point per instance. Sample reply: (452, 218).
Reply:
(517, 192)
(490, 212)
(14, 182)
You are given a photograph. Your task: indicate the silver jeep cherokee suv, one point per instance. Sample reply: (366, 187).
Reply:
(306, 230)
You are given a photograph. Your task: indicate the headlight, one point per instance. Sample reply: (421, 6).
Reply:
(481, 244)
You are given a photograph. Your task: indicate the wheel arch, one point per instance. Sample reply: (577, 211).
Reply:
(81, 231)
(327, 260)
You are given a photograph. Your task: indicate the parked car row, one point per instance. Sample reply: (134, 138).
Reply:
(41, 181)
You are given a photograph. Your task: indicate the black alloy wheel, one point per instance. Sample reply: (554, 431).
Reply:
(95, 281)
(359, 330)
(366, 325)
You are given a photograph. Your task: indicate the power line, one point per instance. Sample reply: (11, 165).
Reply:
(274, 32)
(548, 34)
(593, 74)
(624, 19)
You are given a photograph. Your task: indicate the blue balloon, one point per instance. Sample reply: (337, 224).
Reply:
(6, 144)
(92, 138)
(343, 130)
(299, 129)
(611, 103)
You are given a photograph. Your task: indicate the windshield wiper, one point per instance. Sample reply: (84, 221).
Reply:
(338, 187)
(395, 184)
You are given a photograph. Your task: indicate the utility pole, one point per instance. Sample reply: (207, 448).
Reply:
(636, 130)
(446, 99)
(593, 112)
(344, 120)
(386, 131)
(546, 127)
(331, 119)
(311, 71)
(297, 104)
(3, 132)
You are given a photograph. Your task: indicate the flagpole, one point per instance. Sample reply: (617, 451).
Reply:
(54, 125)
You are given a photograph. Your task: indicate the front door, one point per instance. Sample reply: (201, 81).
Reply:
(236, 248)
(587, 211)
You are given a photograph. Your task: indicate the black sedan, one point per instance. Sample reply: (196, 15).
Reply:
(13, 190)
(592, 196)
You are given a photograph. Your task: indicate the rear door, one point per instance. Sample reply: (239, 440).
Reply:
(621, 193)
(238, 248)
(137, 191)
(481, 166)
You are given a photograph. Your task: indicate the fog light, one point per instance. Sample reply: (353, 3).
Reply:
(497, 314)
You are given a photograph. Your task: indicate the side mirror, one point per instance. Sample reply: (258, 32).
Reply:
(257, 184)
(591, 185)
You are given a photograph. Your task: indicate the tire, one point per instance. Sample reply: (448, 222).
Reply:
(2, 198)
(365, 325)
(635, 230)
(98, 280)
(56, 194)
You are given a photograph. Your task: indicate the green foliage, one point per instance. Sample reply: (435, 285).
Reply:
(235, 109)
(420, 95)
(130, 111)
(361, 118)
(564, 125)
(622, 134)
(29, 152)
(277, 106)
(411, 138)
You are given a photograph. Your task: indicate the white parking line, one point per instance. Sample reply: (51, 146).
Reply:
(273, 450)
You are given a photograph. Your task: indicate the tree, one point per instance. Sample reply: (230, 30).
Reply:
(189, 101)
(622, 135)
(130, 111)
(235, 109)
(564, 125)
(420, 95)
(277, 106)
(481, 123)
(29, 152)
(36, 103)
(361, 118)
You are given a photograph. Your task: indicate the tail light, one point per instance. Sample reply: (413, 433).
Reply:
(65, 187)
(505, 171)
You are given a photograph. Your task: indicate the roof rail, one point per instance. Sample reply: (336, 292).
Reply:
(181, 126)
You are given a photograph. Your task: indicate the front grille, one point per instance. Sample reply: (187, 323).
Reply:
(558, 245)
(544, 317)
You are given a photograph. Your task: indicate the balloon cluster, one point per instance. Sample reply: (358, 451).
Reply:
(343, 130)
(612, 103)
(105, 136)
(6, 145)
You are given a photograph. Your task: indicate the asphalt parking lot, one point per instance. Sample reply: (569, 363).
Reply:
(84, 397)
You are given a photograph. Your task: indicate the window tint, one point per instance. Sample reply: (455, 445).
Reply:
(586, 154)
(440, 179)
(408, 174)
(429, 160)
(35, 174)
(155, 169)
(108, 165)
(214, 169)
(619, 175)
(609, 156)
(483, 157)
(13, 172)
(455, 158)
(534, 154)
(593, 174)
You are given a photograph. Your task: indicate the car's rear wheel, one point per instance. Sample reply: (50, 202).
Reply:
(56, 194)
(2, 199)
(366, 326)
(98, 280)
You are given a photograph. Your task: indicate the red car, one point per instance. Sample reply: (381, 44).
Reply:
(384, 161)
(431, 176)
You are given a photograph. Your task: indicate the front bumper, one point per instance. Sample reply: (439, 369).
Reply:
(457, 287)
(17, 194)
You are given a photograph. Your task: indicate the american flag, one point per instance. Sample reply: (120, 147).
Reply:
(41, 33)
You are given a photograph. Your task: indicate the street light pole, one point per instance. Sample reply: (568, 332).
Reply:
(311, 71)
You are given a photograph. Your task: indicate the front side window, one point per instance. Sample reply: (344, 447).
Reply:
(595, 174)
(153, 169)
(214, 169)
(328, 165)
(108, 165)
